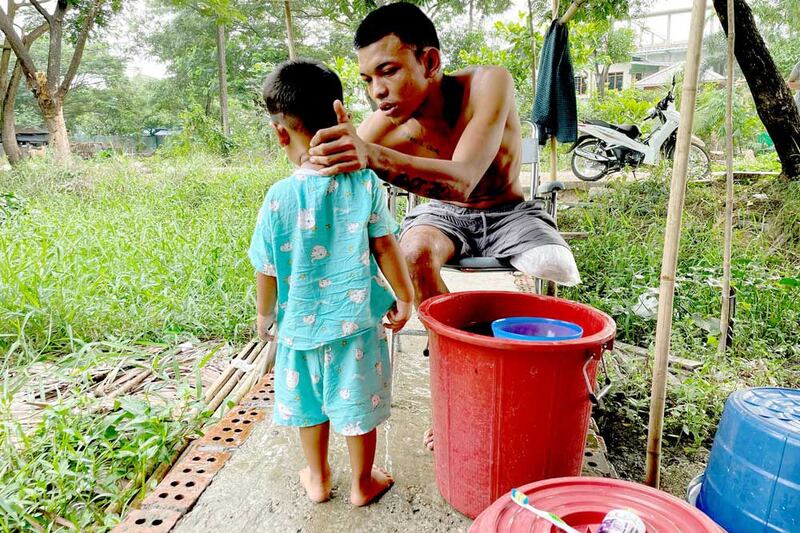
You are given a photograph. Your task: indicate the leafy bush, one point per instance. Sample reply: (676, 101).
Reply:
(710, 122)
(355, 96)
(628, 106)
(200, 132)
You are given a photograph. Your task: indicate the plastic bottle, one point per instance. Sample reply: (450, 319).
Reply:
(622, 521)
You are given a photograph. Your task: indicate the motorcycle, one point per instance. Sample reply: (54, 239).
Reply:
(603, 148)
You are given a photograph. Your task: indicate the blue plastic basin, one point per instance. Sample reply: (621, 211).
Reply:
(752, 482)
(526, 328)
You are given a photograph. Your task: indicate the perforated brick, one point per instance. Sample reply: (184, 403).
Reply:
(232, 430)
(595, 464)
(262, 394)
(201, 463)
(178, 491)
(151, 520)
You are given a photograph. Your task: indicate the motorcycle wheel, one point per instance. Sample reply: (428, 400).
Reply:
(588, 169)
(699, 162)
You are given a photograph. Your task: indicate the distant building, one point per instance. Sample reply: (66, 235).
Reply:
(661, 46)
(34, 137)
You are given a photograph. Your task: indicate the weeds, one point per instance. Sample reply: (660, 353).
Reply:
(621, 262)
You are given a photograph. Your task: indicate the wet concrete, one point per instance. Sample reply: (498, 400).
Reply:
(258, 490)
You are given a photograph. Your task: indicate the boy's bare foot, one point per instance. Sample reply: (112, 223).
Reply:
(365, 493)
(318, 489)
(427, 439)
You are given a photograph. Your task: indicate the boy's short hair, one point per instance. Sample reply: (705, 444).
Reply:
(406, 21)
(303, 90)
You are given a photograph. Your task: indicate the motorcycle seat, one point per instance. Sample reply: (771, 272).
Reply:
(630, 130)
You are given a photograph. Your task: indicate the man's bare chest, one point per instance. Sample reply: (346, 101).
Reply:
(430, 140)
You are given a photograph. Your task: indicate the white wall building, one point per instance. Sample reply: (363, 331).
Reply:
(661, 43)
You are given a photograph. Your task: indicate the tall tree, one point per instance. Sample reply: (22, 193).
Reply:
(615, 46)
(50, 87)
(222, 68)
(9, 91)
(774, 101)
(221, 12)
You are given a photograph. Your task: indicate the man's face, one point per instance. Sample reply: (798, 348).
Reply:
(395, 77)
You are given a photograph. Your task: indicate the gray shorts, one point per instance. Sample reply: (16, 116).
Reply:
(500, 232)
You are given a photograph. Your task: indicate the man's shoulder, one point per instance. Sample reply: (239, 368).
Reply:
(376, 128)
(478, 78)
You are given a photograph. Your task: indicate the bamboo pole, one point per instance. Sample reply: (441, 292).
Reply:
(227, 373)
(261, 364)
(287, 11)
(725, 317)
(553, 144)
(223, 393)
(571, 11)
(672, 238)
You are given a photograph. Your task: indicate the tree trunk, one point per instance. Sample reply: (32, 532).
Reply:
(287, 10)
(223, 80)
(9, 131)
(470, 15)
(5, 58)
(601, 79)
(773, 99)
(54, 119)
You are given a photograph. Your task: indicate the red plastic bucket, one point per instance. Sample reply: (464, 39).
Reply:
(582, 502)
(508, 412)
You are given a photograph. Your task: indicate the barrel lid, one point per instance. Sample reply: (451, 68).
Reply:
(779, 408)
(583, 502)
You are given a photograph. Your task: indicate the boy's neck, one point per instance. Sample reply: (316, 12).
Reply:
(305, 163)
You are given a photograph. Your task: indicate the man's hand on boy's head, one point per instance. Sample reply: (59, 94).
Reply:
(339, 148)
(398, 315)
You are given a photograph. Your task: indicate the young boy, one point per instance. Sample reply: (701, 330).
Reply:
(317, 247)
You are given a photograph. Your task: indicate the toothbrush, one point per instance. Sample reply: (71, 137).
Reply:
(520, 499)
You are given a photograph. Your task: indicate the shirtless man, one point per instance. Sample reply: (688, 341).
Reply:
(452, 138)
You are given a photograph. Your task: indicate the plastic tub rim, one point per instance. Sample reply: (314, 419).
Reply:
(597, 483)
(603, 336)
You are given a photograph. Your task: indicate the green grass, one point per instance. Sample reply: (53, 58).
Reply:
(131, 251)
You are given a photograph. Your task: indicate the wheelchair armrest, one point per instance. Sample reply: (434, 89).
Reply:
(550, 187)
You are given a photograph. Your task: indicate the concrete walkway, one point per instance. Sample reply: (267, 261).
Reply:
(258, 490)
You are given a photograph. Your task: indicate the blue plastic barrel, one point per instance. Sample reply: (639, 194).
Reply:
(752, 482)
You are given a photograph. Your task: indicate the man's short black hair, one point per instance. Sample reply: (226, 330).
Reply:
(406, 21)
(304, 90)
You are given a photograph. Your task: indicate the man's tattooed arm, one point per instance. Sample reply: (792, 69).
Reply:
(426, 188)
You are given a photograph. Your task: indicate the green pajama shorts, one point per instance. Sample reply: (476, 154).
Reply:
(347, 382)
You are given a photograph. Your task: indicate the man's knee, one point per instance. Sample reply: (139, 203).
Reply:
(418, 253)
